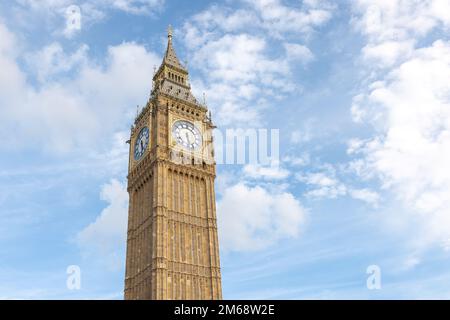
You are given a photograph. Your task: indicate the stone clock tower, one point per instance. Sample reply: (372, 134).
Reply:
(172, 244)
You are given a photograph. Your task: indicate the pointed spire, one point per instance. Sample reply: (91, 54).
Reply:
(172, 78)
(170, 57)
(169, 32)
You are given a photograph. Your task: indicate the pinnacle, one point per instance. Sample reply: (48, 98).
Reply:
(170, 57)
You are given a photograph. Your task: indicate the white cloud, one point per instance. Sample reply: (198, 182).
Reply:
(70, 110)
(411, 152)
(411, 262)
(298, 160)
(134, 6)
(273, 17)
(233, 49)
(238, 71)
(10, 78)
(297, 137)
(67, 18)
(295, 51)
(399, 19)
(306, 131)
(252, 218)
(238, 58)
(388, 52)
(323, 185)
(130, 6)
(409, 107)
(272, 172)
(446, 244)
(112, 162)
(354, 145)
(392, 27)
(278, 18)
(365, 195)
(106, 236)
(52, 60)
(320, 179)
(208, 23)
(326, 185)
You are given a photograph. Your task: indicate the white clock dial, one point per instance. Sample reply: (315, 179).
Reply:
(187, 135)
(141, 143)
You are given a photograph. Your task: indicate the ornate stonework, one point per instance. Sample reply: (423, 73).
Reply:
(172, 245)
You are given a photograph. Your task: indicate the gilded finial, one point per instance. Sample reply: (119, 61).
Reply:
(169, 32)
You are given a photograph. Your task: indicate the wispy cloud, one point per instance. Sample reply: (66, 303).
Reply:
(408, 104)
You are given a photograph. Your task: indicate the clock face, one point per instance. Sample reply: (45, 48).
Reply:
(141, 143)
(187, 135)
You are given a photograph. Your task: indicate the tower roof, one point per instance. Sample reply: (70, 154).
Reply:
(170, 56)
(172, 77)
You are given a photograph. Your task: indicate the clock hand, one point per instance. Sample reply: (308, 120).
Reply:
(187, 138)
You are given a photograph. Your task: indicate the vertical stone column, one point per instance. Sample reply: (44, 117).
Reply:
(216, 292)
(160, 231)
(216, 244)
(134, 244)
(129, 247)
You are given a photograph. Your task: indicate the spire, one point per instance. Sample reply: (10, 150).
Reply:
(170, 57)
(172, 77)
(169, 32)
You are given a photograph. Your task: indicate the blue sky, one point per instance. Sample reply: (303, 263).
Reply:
(359, 90)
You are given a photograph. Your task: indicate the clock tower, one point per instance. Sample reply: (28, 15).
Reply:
(172, 244)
